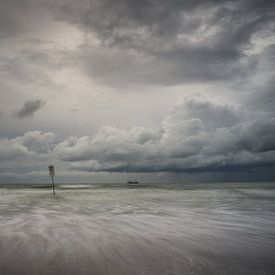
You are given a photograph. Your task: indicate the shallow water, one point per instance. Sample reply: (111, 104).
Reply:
(142, 229)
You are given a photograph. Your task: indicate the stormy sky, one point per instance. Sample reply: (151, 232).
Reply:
(109, 90)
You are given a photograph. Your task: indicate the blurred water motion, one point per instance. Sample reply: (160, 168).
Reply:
(145, 229)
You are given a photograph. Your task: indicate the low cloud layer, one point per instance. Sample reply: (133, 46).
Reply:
(196, 136)
(29, 108)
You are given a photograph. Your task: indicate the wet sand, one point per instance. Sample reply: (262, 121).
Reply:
(146, 229)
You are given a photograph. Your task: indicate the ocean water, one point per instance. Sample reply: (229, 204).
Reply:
(143, 229)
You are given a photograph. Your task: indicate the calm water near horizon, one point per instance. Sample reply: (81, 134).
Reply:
(156, 229)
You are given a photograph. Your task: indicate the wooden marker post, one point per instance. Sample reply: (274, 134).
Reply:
(52, 174)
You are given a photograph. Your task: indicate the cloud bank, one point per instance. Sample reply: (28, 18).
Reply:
(196, 136)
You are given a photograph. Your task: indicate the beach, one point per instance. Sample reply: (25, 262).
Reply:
(210, 228)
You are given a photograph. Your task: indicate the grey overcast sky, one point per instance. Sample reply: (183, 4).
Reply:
(157, 90)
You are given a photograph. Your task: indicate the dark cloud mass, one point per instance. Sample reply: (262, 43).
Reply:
(158, 42)
(29, 108)
(168, 42)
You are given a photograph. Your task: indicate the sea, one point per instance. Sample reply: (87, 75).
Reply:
(142, 229)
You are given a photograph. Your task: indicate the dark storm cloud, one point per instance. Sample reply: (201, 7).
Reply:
(155, 41)
(29, 108)
(167, 42)
(127, 22)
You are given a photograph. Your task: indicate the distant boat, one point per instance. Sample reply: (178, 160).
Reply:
(132, 182)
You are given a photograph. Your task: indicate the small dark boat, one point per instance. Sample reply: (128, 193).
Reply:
(132, 182)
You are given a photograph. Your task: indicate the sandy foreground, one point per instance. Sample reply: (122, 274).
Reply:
(146, 229)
